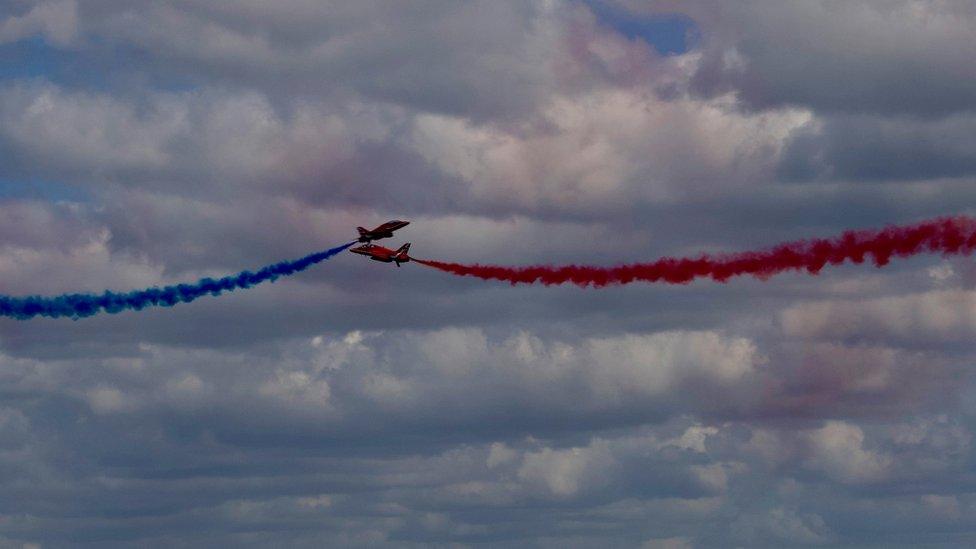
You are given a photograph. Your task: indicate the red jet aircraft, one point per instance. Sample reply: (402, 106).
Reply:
(383, 231)
(386, 255)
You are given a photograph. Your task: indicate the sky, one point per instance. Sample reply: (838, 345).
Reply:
(360, 405)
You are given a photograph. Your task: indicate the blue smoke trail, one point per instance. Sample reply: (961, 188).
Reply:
(84, 305)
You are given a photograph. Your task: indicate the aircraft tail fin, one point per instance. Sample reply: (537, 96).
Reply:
(362, 231)
(404, 249)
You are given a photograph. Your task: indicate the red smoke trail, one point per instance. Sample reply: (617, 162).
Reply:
(948, 236)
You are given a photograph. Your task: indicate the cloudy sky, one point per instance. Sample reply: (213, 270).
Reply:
(146, 143)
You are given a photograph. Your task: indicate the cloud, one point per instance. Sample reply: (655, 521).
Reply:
(57, 21)
(836, 57)
(784, 526)
(562, 472)
(82, 133)
(439, 57)
(588, 156)
(150, 144)
(667, 543)
(838, 450)
(880, 149)
(927, 318)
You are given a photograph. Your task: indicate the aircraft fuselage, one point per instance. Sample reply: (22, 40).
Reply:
(383, 231)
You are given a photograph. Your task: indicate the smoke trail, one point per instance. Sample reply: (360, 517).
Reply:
(83, 305)
(949, 236)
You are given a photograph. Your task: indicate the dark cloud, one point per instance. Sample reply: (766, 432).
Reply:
(851, 57)
(482, 59)
(147, 144)
(871, 148)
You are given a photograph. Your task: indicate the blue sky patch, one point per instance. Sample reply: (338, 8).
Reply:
(40, 189)
(668, 34)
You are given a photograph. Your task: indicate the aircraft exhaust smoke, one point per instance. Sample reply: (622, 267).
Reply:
(949, 236)
(84, 305)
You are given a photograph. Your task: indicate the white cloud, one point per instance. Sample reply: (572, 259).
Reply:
(106, 400)
(89, 134)
(500, 454)
(929, 317)
(693, 438)
(838, 450)
(608, 150)
(563, 473)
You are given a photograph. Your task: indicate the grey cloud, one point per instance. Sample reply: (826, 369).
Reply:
(869, 57)
(402, 438)
(934, 319)
(485, 58)
(404, 407)
(55, 20)
(214, 145)
(859, 148)
(781, 525)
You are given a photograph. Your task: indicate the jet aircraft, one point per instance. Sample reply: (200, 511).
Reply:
(383, 231)
(386, 255)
